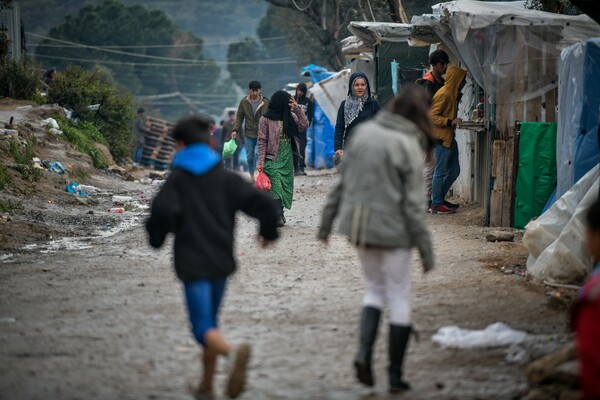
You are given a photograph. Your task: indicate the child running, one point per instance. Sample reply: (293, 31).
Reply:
(198, 203)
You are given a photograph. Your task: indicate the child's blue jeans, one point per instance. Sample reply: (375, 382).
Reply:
(203, 299)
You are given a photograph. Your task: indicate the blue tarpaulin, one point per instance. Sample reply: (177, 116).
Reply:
(579, 91)
(319, 137)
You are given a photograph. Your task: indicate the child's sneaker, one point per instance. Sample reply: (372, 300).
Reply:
(442, 209)
(200, 394)
(239, 359)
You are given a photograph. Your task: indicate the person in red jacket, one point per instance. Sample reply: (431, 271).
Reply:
(586, 313)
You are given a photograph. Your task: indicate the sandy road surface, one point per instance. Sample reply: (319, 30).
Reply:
(108, 321)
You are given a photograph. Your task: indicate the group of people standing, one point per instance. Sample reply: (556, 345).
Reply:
(377, 199)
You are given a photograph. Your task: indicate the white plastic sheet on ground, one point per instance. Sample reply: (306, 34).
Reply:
(494, 335)
(556, 239)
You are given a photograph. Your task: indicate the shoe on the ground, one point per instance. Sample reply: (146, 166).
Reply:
(200, 394)
(297, 172)
(237, 374)
(451, 205)
(303, 172)
(280, 222)
(400, 386)
(364, 374)
(442, 209)
(428, 205)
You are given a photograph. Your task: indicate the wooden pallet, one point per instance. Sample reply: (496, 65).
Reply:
(160, 146)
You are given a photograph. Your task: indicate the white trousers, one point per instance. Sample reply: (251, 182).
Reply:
(387, 275)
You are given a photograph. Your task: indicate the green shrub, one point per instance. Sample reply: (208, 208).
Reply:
(22, 156)
(77, 89)
(83, 135)
(19, 79)
(5, 177)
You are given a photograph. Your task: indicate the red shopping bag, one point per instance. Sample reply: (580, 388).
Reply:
(262, 181)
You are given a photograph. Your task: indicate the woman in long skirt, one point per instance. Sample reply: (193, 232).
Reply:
(278, 141)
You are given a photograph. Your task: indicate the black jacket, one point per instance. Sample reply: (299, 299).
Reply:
(342, 135)
(200, 211)
(307, 106)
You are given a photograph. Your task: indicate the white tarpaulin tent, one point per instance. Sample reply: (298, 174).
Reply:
(556, 239)
(330, 93)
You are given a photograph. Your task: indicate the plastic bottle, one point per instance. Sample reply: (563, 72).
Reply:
(118, 210)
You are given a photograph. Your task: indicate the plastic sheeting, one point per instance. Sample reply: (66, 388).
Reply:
(556, 239)
(495, 40)
(494, 335)
(536, 176)
(579, 91)
(320, 134)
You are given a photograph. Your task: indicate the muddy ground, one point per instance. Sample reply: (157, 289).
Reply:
(100, 315)
(89, 311)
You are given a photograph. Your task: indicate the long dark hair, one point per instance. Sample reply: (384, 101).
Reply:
(412, 102)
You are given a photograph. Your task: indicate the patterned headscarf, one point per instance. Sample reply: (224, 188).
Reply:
(354, 104)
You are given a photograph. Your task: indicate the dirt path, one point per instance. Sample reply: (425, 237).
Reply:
(108, 321)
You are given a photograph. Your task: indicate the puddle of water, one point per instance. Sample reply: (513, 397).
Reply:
(128, 221)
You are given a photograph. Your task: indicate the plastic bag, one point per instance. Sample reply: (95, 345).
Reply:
(229, 148)
(262, 181)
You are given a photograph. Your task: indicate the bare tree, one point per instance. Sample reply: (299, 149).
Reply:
(318, 26)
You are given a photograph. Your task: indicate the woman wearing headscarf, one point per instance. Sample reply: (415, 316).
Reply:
(278, 141)
(358, 107)
(379, 201)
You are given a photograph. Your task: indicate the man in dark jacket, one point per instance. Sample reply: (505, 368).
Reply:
(198, 203)
(432, 81)
(307, 106)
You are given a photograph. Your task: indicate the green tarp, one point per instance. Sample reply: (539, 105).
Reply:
(536, 176)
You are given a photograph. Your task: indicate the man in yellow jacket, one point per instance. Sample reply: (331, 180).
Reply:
(444, 107)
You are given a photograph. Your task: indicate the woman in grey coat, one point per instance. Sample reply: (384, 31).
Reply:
(379, 202)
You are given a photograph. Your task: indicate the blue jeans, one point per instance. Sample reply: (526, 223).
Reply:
(137, 154)
(252, 153)
(203, 299)
(447, 170)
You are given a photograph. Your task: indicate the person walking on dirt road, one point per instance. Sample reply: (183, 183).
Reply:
(379, 201)
(277, 143)
(250, 110)
(198, 203)
(358, 106)
(308, 107)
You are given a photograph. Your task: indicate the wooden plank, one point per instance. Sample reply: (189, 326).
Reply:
(552, 76)
(496, 200)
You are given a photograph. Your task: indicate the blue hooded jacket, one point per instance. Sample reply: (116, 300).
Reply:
(196, 158)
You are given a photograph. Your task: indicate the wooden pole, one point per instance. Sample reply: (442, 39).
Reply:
(403, 17)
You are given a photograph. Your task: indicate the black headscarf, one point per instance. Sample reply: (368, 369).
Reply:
(279, 110)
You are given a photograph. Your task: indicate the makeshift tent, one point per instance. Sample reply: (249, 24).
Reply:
(382, 42)
(319, 136)
(579, 89)
(513, 55)
(556, 239)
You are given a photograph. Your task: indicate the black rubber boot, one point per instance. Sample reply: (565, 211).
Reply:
(369, 324)
(398, 342)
